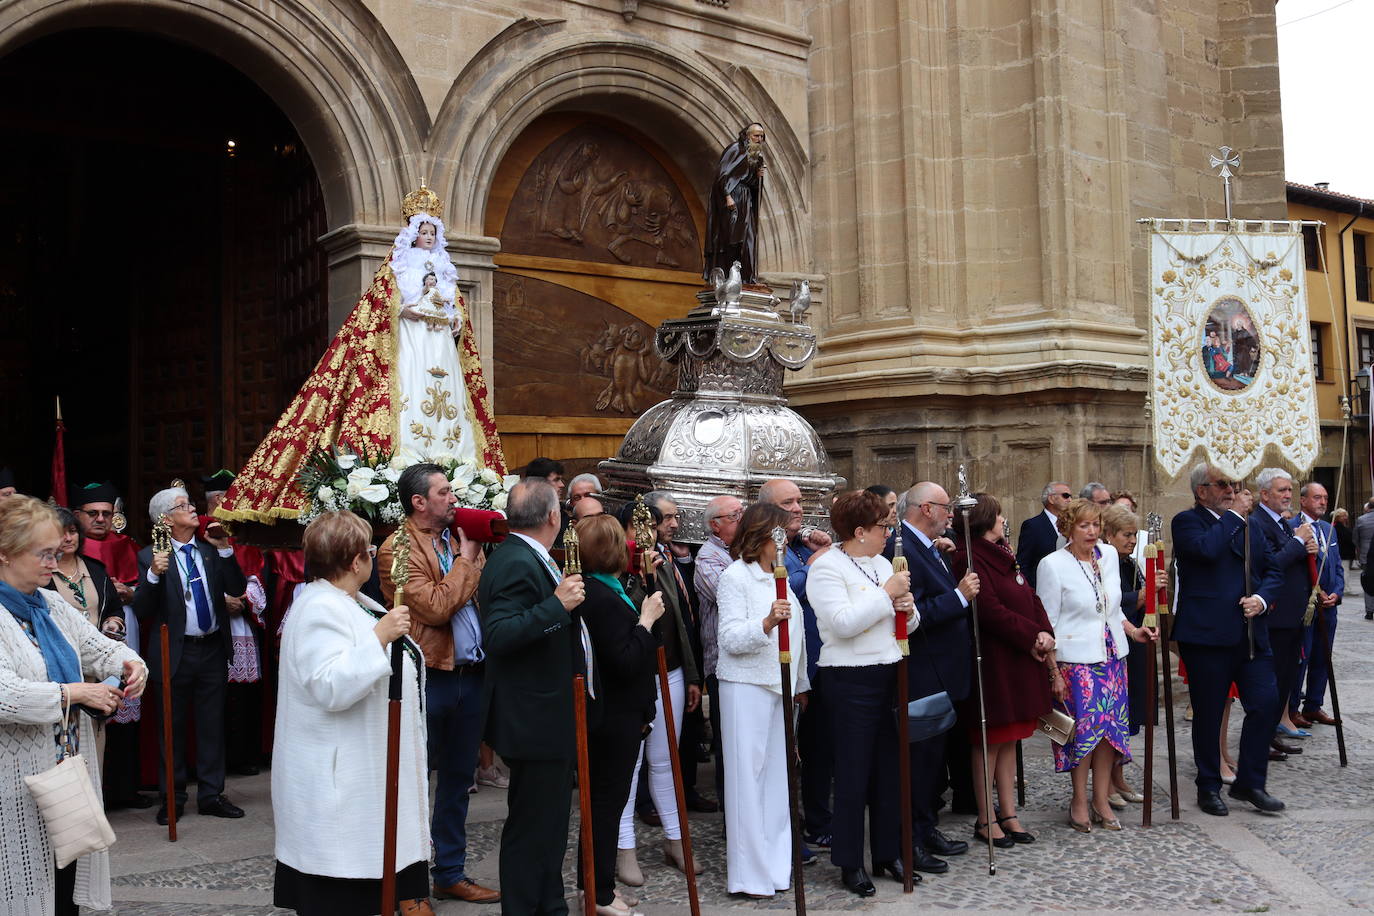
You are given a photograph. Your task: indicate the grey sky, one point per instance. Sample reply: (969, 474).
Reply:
(1324, 67)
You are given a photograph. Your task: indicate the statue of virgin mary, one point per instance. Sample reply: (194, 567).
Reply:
(401, 377)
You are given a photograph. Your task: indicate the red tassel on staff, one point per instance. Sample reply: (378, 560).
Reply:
(59, 462)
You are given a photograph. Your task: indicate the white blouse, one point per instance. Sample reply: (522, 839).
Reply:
(1071, 594)
(854, 615)
(748, 655)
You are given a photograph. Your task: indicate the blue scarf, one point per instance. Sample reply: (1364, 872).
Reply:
(614, 585)
(63, 665)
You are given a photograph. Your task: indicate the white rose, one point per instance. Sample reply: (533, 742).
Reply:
(499, 501)
(374, 493)
(445, 459)
(464, 473)
(325, 493)
(490, 476)
(509, 481)
(345, 461)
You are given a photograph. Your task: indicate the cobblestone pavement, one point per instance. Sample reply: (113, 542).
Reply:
(1316, 857)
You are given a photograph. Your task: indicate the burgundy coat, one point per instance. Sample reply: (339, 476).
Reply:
(1009, 617)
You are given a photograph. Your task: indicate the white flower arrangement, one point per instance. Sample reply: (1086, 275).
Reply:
(366, 483)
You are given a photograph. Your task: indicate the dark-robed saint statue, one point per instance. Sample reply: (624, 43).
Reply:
(732, 220)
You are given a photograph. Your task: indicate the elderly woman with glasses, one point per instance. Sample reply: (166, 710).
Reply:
(1080, 587)
(48, 649)
(328, 769)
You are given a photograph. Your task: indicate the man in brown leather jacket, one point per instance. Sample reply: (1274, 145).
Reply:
(444, 572)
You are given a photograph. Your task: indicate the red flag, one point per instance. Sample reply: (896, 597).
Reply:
(59, 463)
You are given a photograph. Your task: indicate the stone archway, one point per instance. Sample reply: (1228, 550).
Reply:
(331, 68)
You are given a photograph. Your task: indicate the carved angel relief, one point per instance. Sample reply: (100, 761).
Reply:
(626, 355)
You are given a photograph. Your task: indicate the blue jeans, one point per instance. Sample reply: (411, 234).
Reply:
(453, 714)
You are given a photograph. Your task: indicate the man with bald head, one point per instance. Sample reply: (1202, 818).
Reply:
(813, 731)
(941, 658)
(586, 507)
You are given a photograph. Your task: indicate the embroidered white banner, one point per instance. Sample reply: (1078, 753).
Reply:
(1232, 352)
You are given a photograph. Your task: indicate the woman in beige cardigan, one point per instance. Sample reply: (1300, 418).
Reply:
(47, 649)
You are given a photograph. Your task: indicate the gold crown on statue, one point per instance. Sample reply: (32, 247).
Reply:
(422, 200)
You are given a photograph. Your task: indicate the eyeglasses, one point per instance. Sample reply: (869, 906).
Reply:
(179, 506)
(946, 506)
(1224, 484)
(1065, 495)
(733, 516)
(98, 513)
(48, 557)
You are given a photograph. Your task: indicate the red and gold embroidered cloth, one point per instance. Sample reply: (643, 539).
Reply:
(350, 398)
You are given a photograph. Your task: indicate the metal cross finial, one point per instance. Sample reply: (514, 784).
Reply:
(1154, 524)
(1227, 160)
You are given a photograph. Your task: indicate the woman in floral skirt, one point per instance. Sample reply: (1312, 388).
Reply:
(1080, 587)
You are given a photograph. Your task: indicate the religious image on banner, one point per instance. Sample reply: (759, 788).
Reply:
(1232, 358)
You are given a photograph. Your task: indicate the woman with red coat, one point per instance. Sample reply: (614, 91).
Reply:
(1018, 664)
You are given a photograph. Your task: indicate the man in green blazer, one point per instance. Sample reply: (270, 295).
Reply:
(533, 648)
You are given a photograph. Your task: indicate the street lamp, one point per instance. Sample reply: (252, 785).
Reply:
(1361, 386)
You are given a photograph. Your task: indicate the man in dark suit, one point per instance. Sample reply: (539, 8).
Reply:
(941, 658)
(1289, 550)
(533, 649)
(1331, 577)
(1039, 534)
(185, 589)
(1215, 605)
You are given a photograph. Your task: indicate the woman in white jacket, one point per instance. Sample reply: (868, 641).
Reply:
(856, 598)
(758, 858)
(1080, 587)
(329, 771)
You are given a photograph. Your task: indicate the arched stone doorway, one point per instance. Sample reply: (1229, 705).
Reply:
(168, 285)
(600, 242)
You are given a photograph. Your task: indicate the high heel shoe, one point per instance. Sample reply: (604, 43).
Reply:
(1079, 825)
(1107, 823)
(1017, 836)
(1001, 842)
(1131, 795)
(627, 868)
(672, 854)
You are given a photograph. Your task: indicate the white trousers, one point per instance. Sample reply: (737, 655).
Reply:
(660, 766)
(758, 857)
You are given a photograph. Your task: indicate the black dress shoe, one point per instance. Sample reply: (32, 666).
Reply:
(893, 870)
(858, 882)
(922, 860)
(649, 816)
(1211, 803)
(701, 804)
(136, 800)
(1277, 755)
(1289, 749)
(245, 769)
(940, 845)
(220, 807)
(1257, 797)
(162, 813)
(1001, 842)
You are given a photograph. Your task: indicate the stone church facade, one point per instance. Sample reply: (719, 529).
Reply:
(958, 181)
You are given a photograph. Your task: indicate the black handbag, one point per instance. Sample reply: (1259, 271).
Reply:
(929, 717)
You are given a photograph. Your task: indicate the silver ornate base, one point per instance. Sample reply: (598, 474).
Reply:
(727, 428)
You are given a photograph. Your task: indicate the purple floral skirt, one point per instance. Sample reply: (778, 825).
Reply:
(1099, 704)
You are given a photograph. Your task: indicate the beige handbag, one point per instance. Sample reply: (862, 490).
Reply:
(1057, 726)
(72, 810)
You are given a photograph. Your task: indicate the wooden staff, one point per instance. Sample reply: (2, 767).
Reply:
(400, 574)
(1151, 620)
(169, 783)
(1314, 611)
(572, 565)
(1161, 599)
(788, 726)
(688, 866)
(584, 795)
(899, 565)
(966, 503)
